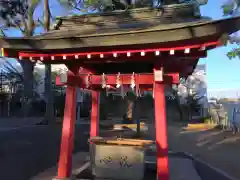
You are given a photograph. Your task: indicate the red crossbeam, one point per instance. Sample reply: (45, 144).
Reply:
(140, 79)
(125, 79)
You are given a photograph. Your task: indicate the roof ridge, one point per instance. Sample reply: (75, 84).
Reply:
(106, 13)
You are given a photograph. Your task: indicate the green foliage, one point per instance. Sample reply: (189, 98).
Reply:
(234, 53)
(85, 5)
(103, 5)
(2, 34)
(193, 101)
(229, 9)
(19, 14)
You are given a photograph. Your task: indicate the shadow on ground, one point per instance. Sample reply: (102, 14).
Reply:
(218, 148)
(25, 153)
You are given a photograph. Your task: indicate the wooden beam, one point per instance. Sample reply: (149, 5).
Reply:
(68, 127)
(144, 80)
(94, 126)
(113, 58)
(189, 50)
(67, 141)
(161, 130)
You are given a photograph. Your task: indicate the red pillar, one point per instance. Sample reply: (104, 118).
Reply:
(161, 131)
(67, 143)
(94, 130)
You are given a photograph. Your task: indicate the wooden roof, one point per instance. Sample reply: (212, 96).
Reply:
(111, 23)
(125, 28)
(95, 39)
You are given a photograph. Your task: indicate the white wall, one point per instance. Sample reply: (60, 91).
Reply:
(40, 69)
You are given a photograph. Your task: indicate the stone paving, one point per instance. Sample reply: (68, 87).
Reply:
(180, 168)
(214, 147)
(25, 152)
(217, 148)
(15, 122)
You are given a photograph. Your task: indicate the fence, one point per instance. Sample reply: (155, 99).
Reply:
(236, 118)
(109, 105)
(232, 110)
(11, 106)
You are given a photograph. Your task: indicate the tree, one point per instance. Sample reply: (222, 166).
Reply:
(12, 77)
(193, 90)
(49, 115)
(19, 14)
(232, 8)
(104, 5)
(176, 99)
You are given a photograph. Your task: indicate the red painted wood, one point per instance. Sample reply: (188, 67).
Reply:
(172, 78)
(58, 81)
(94, 128)
(140, 79)
(136, 57)
(161, 132)
(65, 160)
(67, 143)
(47, 56)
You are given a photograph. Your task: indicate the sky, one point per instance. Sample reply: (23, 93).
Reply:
(222, 73)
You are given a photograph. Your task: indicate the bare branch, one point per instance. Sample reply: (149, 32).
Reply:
(2, 32)
(24, 25)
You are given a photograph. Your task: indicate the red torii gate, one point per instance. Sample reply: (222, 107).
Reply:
(155, 81)
(160, 57)
(78, 73)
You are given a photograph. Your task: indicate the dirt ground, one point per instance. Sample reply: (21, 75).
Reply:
(219, 149)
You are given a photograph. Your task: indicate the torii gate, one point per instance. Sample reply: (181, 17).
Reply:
(157, 53)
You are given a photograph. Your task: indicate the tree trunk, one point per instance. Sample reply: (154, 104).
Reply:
(177, 104)
(46, 16)
(27, 98)
(189, 113)
(27, 66)
(49, 96)
(128, 119)
(129, 112)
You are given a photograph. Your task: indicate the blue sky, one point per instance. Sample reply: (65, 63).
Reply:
(222, 73)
